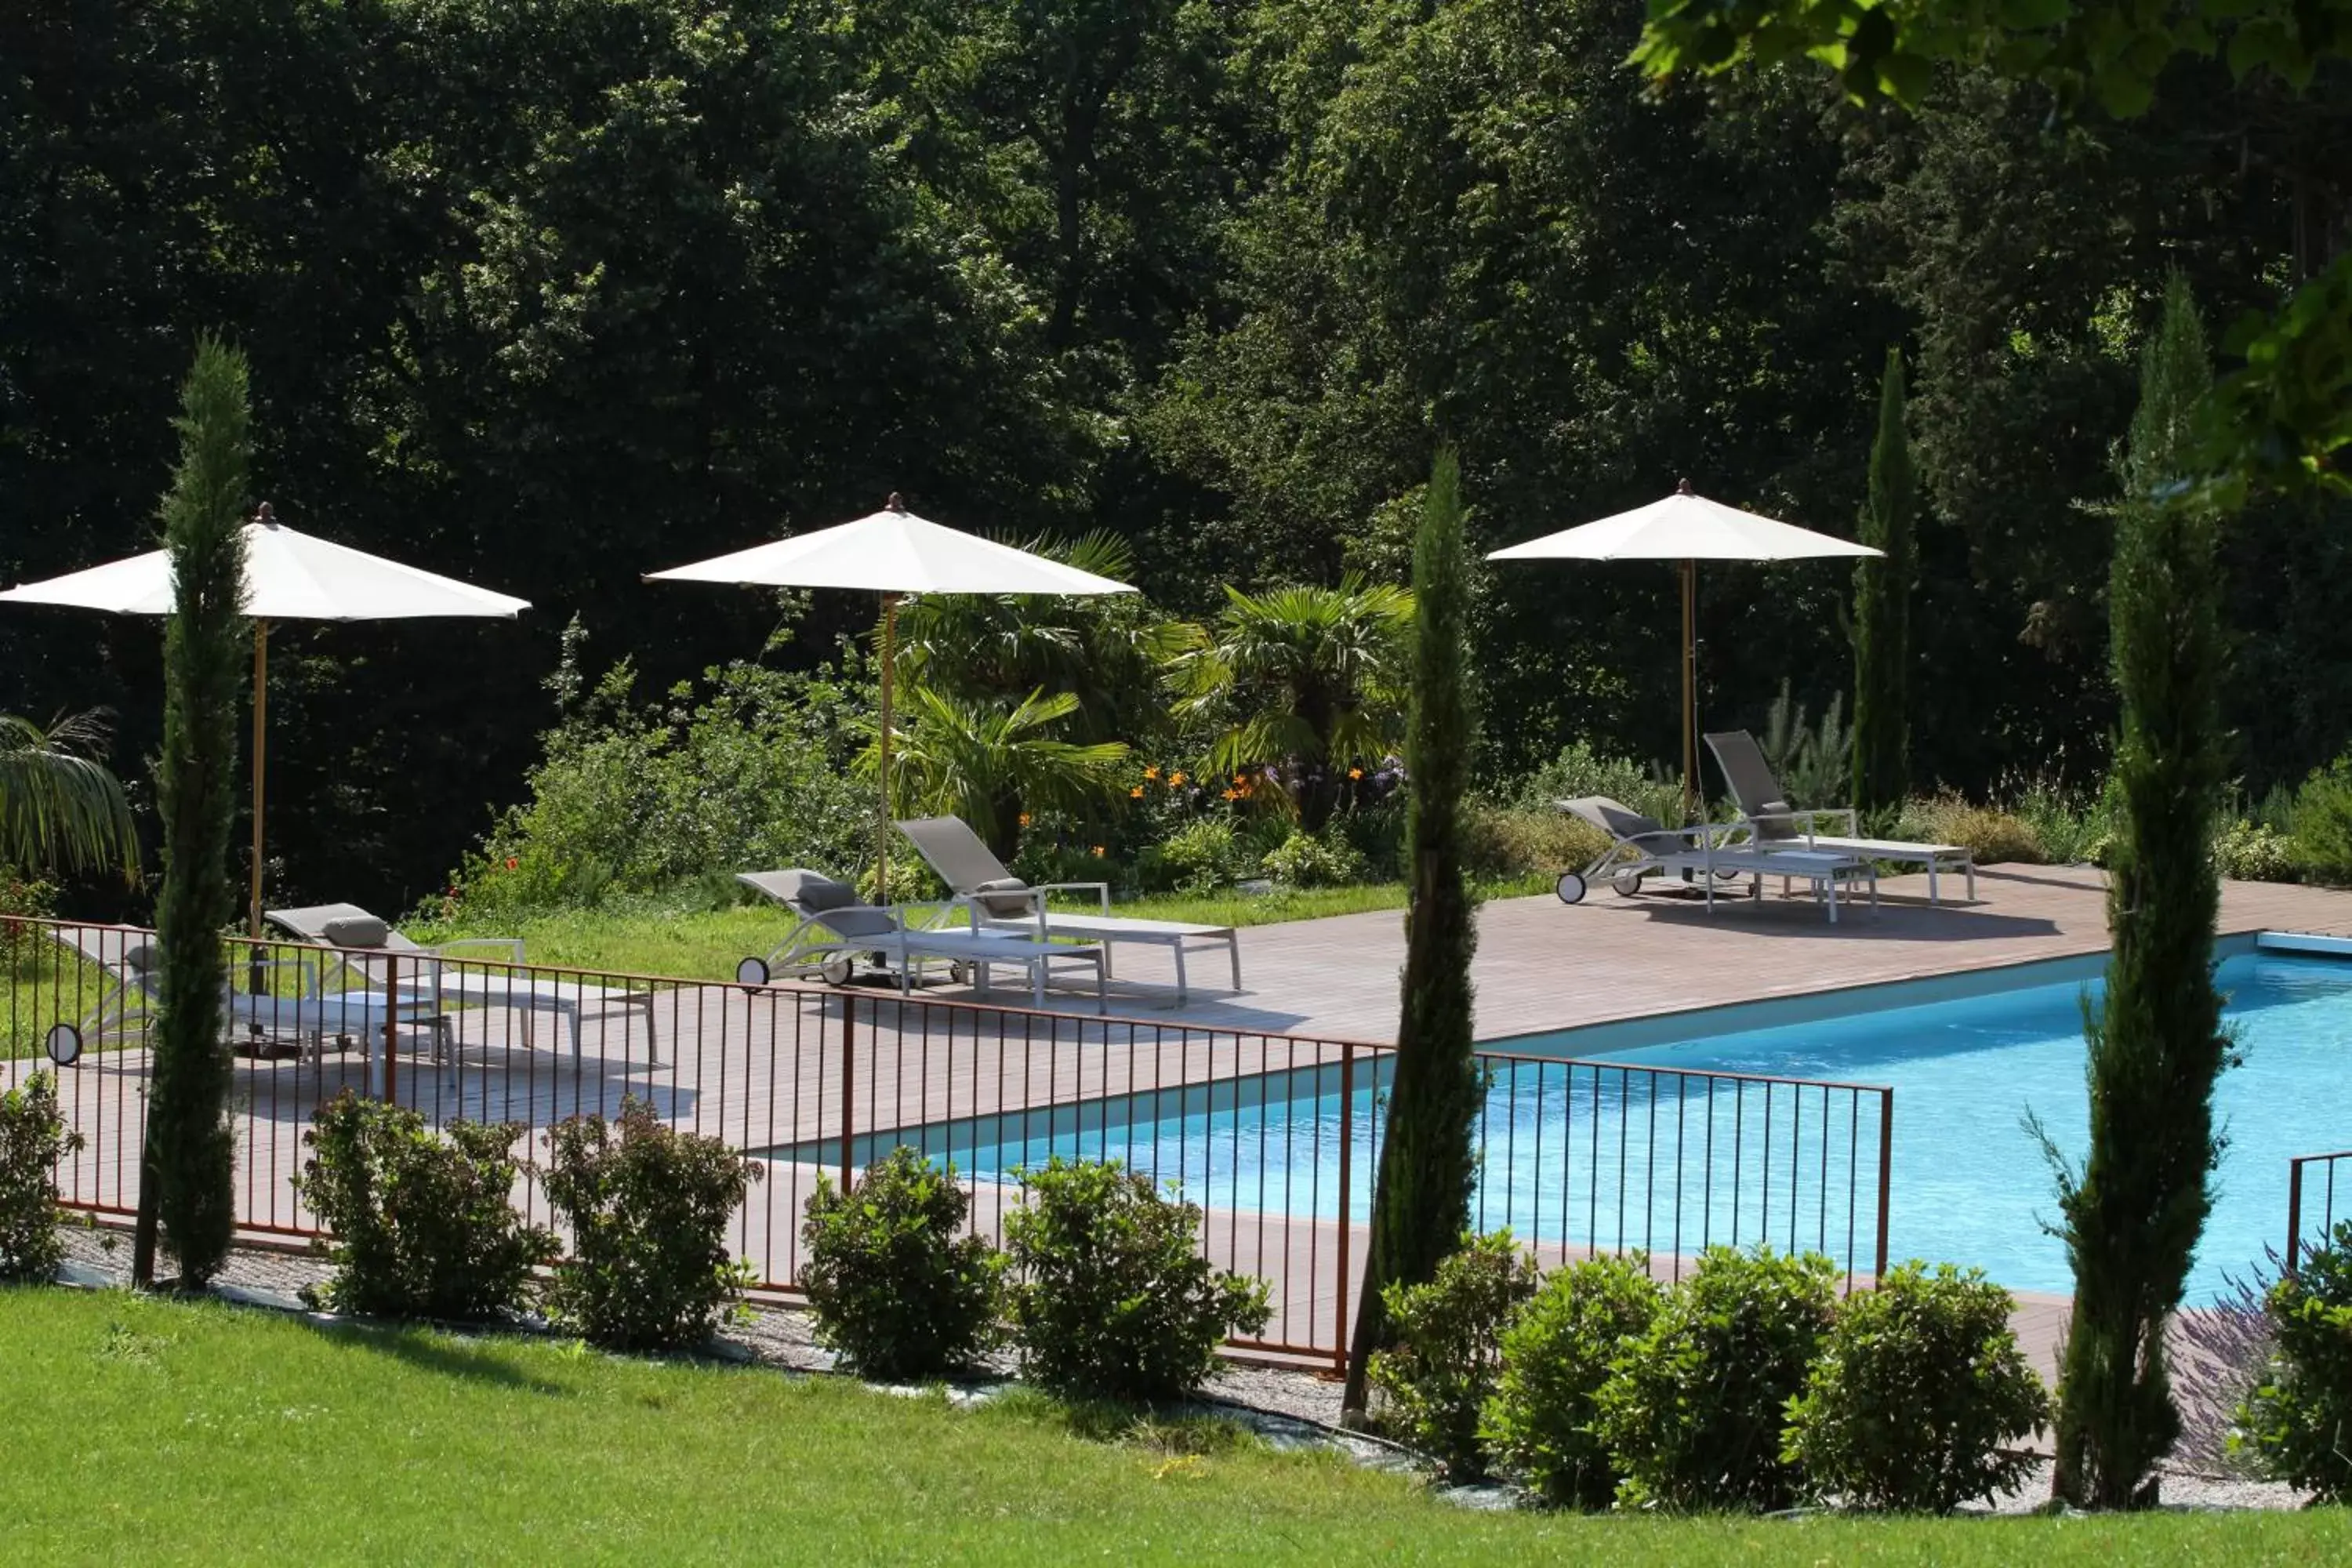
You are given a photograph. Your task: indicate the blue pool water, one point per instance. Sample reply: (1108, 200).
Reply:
(1580, 1154)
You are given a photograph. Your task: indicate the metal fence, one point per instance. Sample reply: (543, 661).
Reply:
(2311, 1206)
(1276, 1136)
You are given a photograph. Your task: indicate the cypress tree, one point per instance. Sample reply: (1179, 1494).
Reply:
(1421, 1199)
(2133, 1211)
(190, 1154)
(1882, 611)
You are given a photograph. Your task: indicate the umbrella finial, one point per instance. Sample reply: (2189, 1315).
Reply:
(263, 516)
(1682, 488)
(894, 503)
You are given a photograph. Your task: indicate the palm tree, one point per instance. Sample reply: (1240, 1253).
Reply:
(1305, 681)
(60, 806)
(986, 761)
(1107, 652)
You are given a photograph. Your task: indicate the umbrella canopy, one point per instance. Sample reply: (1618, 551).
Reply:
(1682, 527)
(1687, 527)
(892, 552)
(289, 576)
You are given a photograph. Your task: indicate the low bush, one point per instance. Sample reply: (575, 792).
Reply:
(2320, 824)
(894, 1282)
(1111, 1298)
(1556, 1356)
(1512, 841)
(1434, 1384)
(1580, 771)
(1198, 857)
(1693, 1411)
(1918, 1397)
(1303, 861)
(2297, 1424)
(422, 1226)
(1990, 835)
(23, 899)
(648, 1206)
(2250, 852)
(33, 1139)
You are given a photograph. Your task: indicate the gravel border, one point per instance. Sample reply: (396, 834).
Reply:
(1290, 1408)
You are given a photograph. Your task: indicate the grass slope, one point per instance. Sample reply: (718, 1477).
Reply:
(160, 1432)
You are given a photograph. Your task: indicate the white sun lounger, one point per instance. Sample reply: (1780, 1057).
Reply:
(1641, 848)
(1764, 804)
(832, 930)
(999, 900)
(460, 972)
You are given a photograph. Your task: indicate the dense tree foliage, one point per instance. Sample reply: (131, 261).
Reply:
(549, 296)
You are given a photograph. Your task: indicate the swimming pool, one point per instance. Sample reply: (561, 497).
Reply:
(1567, 1150)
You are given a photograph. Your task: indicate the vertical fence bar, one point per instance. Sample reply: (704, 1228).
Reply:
(1347, 1211)
(1885, 1174)
(848, 1081)
(391, 1026)
(2294, 1214)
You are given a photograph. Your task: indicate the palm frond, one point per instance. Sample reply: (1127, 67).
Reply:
(59, 805)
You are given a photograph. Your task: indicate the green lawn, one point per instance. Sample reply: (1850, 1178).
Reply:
(707, 944)
(154, 1431)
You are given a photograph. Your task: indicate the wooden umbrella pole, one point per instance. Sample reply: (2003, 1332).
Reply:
(1690, 683)
(260, 734)
(882, 828)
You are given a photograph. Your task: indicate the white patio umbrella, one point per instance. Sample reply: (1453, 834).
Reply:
(289, 576)
(894, 553)
(1690, 528)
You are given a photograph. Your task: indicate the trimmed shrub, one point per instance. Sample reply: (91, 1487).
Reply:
(1514, 841)
(2250, 852)
(1198, 857)
(33, 1139)
(2320, 824)
(1579, 770)
(648, 1208)
(1693, 1410)
(1112, 1298)
(1434, 1384)
(894, 1283)
(1990, 835)
(1919, 1392)
(2297, 1424)
(424, 1226)
(1303, 860)
(1556, 1356)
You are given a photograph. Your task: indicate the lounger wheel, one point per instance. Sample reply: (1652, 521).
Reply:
(63, 1044)
(837, 972)
(1570, 888)
(1627, 883)
(960, 974)
(751, 972)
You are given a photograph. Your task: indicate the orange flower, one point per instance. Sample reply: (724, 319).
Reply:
(512, 862)
(1024, 819)
(1355, 772)
(1099, 852)
(1230, 795)
(1176, 778)
(1150, 774)
(1135, 794)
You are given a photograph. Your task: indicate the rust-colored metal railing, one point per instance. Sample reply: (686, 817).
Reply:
(2319, 1170)
(1275, 1137)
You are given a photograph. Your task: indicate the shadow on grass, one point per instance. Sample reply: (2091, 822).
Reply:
(487, 1359)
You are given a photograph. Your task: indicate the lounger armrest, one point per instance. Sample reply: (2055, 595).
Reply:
(1840, 819)
(1102, 890)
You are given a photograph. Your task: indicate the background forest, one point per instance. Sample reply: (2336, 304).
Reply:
(549, 295)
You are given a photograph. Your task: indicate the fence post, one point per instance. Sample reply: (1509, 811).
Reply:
(2294, 1214)
(391, 1027)
(1346, 1212)
(1885, 1175)
(848, 1082)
